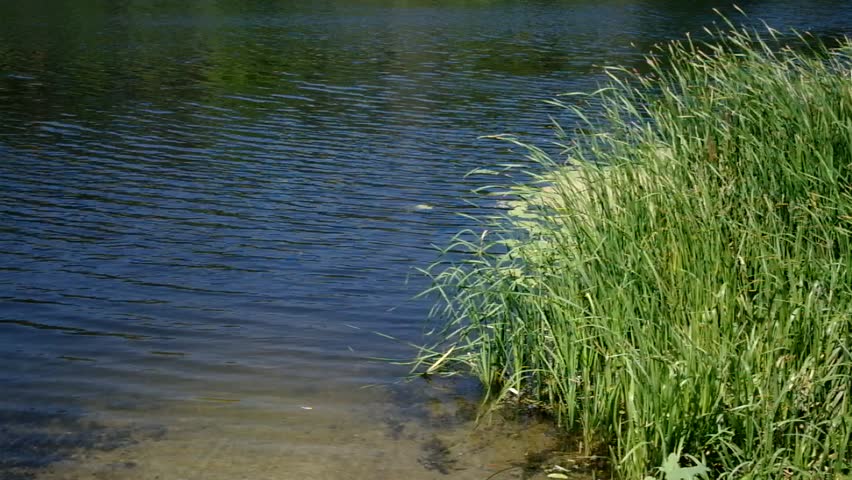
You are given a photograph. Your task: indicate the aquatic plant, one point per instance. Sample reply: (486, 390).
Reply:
(681, 278)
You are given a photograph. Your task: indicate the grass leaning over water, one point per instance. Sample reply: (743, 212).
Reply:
(682, 281)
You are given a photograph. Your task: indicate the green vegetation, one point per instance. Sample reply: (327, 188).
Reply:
(682, 282)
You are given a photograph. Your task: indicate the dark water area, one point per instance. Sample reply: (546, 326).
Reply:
(208, 207)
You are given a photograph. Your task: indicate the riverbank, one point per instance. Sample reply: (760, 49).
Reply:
(679, 283)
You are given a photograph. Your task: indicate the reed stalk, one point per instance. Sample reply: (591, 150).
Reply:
(680, 280)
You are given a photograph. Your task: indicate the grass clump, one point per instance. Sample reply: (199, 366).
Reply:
(681, 282)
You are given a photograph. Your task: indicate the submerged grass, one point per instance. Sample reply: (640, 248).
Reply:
(682, 282)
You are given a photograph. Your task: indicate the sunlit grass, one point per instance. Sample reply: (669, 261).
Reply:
(682, 279)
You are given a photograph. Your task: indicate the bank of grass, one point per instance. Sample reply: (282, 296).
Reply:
(681, 283)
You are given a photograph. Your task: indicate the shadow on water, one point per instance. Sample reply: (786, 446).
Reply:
(33, 440)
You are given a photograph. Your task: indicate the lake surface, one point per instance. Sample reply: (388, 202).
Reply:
(209, 207)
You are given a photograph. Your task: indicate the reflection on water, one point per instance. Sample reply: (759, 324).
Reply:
(208, 207)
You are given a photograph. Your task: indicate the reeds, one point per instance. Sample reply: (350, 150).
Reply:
(681, 282)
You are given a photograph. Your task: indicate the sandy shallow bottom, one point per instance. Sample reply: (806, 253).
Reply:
(433, 436)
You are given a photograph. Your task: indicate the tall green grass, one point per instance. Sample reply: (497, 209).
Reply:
(681, 280)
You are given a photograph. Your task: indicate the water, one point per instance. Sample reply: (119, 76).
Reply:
(209, 207)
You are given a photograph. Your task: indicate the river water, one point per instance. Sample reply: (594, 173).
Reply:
(210, 207)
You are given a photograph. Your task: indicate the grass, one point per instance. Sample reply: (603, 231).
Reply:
(680, 281)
